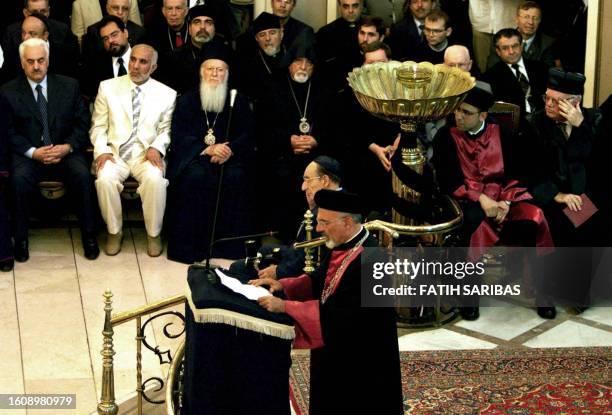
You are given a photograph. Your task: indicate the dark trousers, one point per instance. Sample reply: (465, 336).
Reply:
(73, 170)
(6, 251)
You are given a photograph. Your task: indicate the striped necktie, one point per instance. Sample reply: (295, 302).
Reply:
(126, 147)
(42, 105)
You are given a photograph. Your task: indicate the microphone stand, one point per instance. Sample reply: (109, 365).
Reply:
(233, 94)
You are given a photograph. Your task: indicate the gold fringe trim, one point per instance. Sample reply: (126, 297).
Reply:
(243, 321)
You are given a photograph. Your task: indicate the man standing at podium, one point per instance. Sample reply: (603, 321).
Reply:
(354, 360)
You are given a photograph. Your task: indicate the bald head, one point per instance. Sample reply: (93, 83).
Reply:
(458, 56)
(34, 27)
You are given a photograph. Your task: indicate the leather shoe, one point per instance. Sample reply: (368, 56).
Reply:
(7, 265)
(154, 246)
(22, 253)
(90, 247)
(469, 313)
(113, 243)
(548, 313)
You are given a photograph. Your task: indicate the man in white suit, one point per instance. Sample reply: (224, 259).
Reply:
(130, 133)
(87, 12)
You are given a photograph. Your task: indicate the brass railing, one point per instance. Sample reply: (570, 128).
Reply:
(107, 404)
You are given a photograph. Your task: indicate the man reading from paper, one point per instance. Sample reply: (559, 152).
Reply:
(355, 359)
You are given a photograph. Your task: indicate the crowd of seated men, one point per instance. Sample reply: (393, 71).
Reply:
(193, 95)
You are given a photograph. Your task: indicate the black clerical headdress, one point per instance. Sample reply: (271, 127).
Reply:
(216, 49)
(566, 82)
(480, 96)
(330, 165)
(201, 10)
(266, 21)
(302, 47)
(338, 201)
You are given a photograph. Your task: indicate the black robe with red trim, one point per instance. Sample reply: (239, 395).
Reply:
(355, 359)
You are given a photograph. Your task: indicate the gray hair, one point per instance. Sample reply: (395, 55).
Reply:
(31, 43)
(357, 218)
(154, 54)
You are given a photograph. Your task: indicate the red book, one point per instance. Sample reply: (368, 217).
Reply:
(588, 210)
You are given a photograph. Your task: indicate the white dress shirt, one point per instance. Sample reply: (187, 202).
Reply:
(126, 61)
(523, 70)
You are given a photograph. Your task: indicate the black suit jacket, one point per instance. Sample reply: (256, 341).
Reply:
(92, 42)
(506, 87)
(404, 39)
(67, 116)
(97, 70)
(58, 32)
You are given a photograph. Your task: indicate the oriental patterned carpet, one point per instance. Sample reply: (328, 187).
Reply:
(567, 381)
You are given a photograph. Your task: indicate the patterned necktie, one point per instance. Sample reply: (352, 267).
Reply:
(126, 147)
(121, 70)
(178, 42)
(42, 105)
(524, 84)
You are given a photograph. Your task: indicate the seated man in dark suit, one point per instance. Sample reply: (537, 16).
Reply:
(47, 129)
(536, 45)
(92, 43)
(112, 61)
(6, 250)
(62, 59)
(59, 32)
(514, 79)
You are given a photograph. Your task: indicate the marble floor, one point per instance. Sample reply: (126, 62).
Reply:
(51, 311)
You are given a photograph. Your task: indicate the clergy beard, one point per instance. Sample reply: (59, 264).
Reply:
(330, 244)
(301, 77)
(213, 96)
(271, 50)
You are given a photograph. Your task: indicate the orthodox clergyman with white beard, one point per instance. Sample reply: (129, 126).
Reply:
(202, 141)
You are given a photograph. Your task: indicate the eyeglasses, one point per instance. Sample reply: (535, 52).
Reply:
(466, 112)
(118, 9)
(324, 222)
(308, 179)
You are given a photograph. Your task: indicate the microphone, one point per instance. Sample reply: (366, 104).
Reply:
(233, 94)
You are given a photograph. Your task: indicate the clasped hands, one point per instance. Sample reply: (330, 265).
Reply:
(493, 209)
(152, 155)
(218, 153)
(270, 303)
(303, 144)
(385, 154)
(51, 154)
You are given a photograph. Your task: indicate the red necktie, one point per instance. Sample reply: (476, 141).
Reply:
(178, 42)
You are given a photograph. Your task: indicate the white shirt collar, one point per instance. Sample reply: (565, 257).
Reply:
(354, 236)
(42, 83)
(528, 43)
(482, 127)
(522, 67)
(418, 24)
(125, 57)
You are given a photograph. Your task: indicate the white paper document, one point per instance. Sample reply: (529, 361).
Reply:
(249, 291)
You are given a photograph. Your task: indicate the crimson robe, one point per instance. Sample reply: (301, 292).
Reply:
(354, 358)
